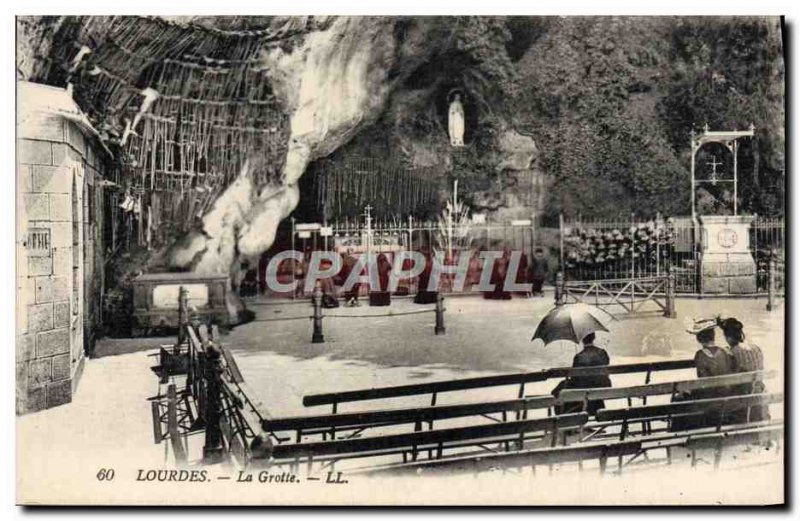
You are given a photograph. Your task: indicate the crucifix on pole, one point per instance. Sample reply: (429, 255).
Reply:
(713, 164)
(368, 227)
(728, 139)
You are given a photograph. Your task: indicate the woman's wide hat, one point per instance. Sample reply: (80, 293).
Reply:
(701, 324)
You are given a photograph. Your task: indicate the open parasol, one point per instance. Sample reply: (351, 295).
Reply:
(571, 322)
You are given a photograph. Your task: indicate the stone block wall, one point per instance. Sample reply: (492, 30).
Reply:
(728, 273)
(55, 164)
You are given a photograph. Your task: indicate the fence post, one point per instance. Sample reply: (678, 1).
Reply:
(316, 300)
(669, 292)
(771, 283)
(183, 314)
(212, 450)
(559, 290)
(561, 240)
(439, 328)
(172, 426)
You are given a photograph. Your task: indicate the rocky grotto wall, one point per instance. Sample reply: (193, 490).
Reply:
(366, 85)
(562, 114)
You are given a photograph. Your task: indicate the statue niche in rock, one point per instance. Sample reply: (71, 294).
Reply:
(455, 123)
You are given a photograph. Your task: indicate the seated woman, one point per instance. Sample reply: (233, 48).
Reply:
(589, 356)
(709, 360)
(747, 357)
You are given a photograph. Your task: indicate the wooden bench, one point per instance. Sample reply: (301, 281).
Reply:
(332, 423)
(670, 411)
(672, 388)
(734, 435)
(520, 379)
(437, 439)
(718, 440)
(568, 396)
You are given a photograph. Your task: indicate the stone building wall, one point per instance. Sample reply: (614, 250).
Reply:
(60, 166)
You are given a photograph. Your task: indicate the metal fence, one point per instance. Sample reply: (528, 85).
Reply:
(584, 249)
(421, 235)
(767, 240)
(597, 249)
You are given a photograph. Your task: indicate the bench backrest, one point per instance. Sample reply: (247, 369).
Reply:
(574, 453)
(748, 436)
(611, 393)
(407, 415)
(489, 381)
(396, 441)
(639, 367)
(729, 403)
(515, 459)
(424, 388)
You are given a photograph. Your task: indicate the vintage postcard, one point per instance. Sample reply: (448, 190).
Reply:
(400, 260)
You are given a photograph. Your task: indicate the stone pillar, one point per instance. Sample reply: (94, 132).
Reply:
(46, 358)
(726, 265)
(55, 238)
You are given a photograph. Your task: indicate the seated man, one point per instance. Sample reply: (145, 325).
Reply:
(589, 356)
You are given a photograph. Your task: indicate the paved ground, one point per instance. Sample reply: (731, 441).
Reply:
(109, 424)
(483, 337)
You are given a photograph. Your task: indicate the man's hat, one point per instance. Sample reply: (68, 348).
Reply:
(701, 324)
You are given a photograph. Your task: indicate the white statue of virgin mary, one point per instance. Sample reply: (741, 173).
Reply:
(455, 123)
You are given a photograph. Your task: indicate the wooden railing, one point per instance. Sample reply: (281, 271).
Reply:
(214, 395)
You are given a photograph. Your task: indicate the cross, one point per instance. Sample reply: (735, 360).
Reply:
(367, 210)
(368, 215)
(713, 163)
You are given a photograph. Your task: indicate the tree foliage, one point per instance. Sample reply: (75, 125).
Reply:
(610, 102)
